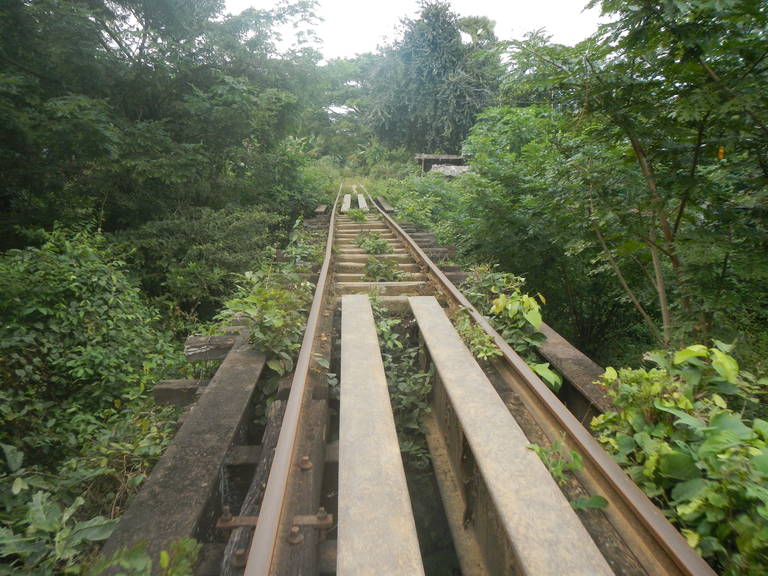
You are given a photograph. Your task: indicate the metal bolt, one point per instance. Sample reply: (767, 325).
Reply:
(295, 537)
(305, 463)
(226, 514)
(321, 513)
(240, 558)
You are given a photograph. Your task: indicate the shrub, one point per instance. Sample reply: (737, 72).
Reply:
(378, 270)
(513, 313)
(78, 430)
(357, 215)
(681, 434)
(74, 325)
(274, 300)
(192, 259)
(373, 243)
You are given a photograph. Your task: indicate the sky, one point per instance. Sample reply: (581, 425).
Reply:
(352, 27)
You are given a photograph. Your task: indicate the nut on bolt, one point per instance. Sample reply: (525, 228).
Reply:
(322, 514)
(226, 514)
(305, 463)
(295, 536)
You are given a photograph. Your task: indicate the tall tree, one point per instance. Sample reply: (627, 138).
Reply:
(429, 86)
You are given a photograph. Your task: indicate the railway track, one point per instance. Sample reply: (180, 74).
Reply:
(325, 488)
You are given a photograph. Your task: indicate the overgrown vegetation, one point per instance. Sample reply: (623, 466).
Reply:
(357, 215)
(624, 178)
(562, 464)
(682, 431)
(382, 270)
(409, 386)
(515, 315)
(78, 429)
(272, 302)
(477, 340)
(372, 243)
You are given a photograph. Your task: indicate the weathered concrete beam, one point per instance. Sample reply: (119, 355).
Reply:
(179, 500)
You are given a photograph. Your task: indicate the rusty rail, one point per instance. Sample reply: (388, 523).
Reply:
(266, 534)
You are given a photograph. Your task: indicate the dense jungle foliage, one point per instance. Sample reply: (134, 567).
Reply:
(155, 155)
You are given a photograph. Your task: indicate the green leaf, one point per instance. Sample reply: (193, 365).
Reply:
(727, 421)
(678, 465)
(93, 530)
(550, 377)
(13, 457)
(695, 351)
(593, 502)
(689, 489)
(533, 315)
(19, 484)
(761, 427)
(727, 348)
(277, 365)
(683, 418)
(691, 537)
(718, 442)
(610, 374)
(760, 463)
(165, 560)
(725, 365)
(42, 514)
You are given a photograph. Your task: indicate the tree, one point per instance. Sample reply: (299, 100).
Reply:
(113, 110)
(428, 87)
(658, 144)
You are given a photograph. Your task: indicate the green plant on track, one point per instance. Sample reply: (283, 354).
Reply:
(357, 215)
(372, 243)
(409, 387)
(381, 270)
(513, 313)
(681, 432)
(562, 464)
(477, 340)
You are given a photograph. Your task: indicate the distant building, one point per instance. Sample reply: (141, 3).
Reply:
(429, 160)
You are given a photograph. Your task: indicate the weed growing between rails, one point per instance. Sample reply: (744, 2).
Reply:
(682, 434)
(372, 243)
(409, 389)
(357, 215)
(382, 270)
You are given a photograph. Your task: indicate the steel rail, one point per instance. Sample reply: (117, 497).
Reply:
(267, 532)
(680, 555)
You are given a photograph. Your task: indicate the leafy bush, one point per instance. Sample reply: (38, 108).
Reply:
(514, 314)
(477, 340)
(274, 301)
(357, 215)
(78, 431)
(74, 326)
(409, 387)
(680, 432)
(381, 270)
(372, 243)
(192, 259)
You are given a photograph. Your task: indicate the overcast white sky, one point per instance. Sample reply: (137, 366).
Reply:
(352, 27)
